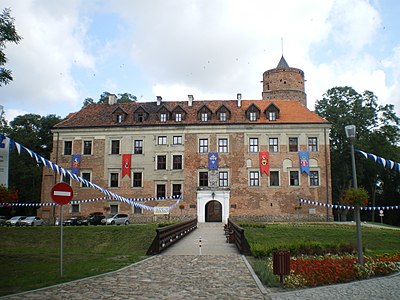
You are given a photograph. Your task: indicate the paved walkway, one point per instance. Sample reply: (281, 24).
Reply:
(220, 272)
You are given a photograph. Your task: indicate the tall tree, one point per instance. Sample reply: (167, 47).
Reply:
(377, 132)
(8, 33)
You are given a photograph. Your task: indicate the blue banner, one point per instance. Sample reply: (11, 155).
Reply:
(304, 164)
(76, 163)
(213, 160)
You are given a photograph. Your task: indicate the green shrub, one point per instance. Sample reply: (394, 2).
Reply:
(263, 269)
(165, 224)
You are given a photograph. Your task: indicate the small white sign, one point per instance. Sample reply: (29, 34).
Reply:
(161, 210)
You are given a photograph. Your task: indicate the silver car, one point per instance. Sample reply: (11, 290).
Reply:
(32, 221)
(116, 219)
(15, 221)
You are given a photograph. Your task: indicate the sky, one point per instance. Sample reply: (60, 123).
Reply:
(211, 49)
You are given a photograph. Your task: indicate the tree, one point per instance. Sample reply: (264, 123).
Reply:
(123, 98)
(126, 97)
(377, 132)
(8, 33)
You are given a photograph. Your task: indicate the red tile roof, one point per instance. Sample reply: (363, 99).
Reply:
(101, 115)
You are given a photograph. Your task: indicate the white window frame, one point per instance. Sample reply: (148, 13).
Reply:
(177, 140)
(162, 140)
(253, 146)
(254, 178)
(224, 147)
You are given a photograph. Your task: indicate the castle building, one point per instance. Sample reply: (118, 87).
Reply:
(249, 159)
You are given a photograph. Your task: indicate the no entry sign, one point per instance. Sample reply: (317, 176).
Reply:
(62, 193)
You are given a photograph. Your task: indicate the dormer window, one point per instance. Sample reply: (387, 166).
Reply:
(223, 113)
(141, 115)
(178, 117)
(178, 114)
(204, 117)
(272, 112)
(140, 118)
(253, 113)
(120, 118)
(204, 114)
(222, 116)
(163, 117)
(119, 115)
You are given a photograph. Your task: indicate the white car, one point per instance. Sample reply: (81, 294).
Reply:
(32, 221)
(117, 219)
(15, 221)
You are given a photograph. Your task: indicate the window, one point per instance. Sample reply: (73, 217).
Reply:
(314, 178)
(223, 178)
(204, 117)
(253, 116)
(176, 189)
(161, 162)
(253, 145)
(293, 144)
(163, 117)
(254, 178)
(138, 149)
(87, 147)
(177, 140)
(272, 116)
(222, 116)
(178, 117)
(137, 210)
(162, 140)
(75, 208)
(273, 145)
(67, 147)
(274, 178)
(161, 190)
(203, 145)
(113, 208)
(66, 179)
(137, 179)
(114, 179)
(119, 118)
(177, 162)
(223, 145)
(86, 176)
(294, 178)
(312, 144)
(115, 147)
(203, 179)
(140, 117)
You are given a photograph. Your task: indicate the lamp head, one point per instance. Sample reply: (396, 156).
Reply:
(350, 131)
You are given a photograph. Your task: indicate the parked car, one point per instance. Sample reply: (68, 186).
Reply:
(32, 221)
(74, 221)
(3, 220)
(117, 219)
(94, 219)
(15, 221)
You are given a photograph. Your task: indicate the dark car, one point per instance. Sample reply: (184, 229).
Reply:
(74, 221)
(3, 220)
(94, 219)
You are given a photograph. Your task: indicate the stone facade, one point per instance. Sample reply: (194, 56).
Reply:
(175, 140)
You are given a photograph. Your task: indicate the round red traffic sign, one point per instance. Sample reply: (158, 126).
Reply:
(62, 193)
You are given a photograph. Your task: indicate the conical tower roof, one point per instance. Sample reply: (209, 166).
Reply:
(282, 64)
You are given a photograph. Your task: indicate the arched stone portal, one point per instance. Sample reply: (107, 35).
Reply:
(213, 211)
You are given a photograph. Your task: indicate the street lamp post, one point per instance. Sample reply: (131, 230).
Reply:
(351, 134)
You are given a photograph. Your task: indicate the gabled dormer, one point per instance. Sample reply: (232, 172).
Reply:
(163, 114)
(119, 115)
(140, 114)
(204, 114)
(178, 114)
(252, 113)
(223, 113)
(272, 112)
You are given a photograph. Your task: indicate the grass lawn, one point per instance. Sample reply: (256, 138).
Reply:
(30, 256)
(375, 240)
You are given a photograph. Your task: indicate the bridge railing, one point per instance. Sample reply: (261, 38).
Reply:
(237, 236)
(167, 236)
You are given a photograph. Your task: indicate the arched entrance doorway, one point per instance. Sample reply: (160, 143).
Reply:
(213, 211)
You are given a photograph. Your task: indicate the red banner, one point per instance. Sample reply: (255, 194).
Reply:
(264, 162)
(126, 165)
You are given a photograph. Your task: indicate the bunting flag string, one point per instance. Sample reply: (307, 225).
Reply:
(387, 163)
(61, 171)
(316, 203)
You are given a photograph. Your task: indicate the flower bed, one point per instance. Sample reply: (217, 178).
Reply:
(315, 271)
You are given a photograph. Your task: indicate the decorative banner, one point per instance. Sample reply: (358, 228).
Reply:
(126, 165)
(264, 162)
(56, 168)
(349, 207)
(212, 160)
(4, 160)
(76, 163)
(380, 160)
(304, 165)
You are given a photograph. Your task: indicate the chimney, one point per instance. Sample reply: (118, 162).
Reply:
(190, 100)
(112, 99)
(239, 99)
(159, 99)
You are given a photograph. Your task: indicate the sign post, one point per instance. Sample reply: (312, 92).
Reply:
(62, 194)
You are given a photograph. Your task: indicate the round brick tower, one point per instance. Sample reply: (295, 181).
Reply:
(284, 82)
